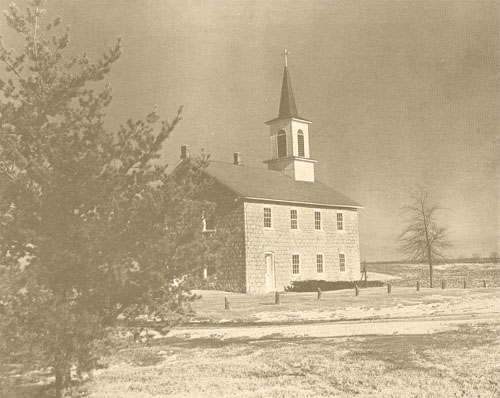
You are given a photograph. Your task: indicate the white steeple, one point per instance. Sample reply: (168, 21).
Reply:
(290, 136)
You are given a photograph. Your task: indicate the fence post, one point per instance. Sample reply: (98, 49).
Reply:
(388, 288)
(356, 290)
(418, 286)
(319, 293)
(276, 298)
(465, 284)
(226, 303)
(484, 283)
(443, 284)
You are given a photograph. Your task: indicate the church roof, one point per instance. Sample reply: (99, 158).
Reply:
(268, 185)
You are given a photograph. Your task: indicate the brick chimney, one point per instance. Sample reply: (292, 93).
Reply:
(184, 152)
(238, 159)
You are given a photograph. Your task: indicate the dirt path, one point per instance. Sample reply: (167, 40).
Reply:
(422, 325)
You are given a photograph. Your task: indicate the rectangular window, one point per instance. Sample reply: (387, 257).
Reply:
(208, 221)
(319, 263)
(317, 220)
(267, 217)
(293, 219)
(342, 262)
(340, 221)
(295, 264)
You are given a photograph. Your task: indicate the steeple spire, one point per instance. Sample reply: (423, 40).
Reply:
(287, 103)
(290, 136)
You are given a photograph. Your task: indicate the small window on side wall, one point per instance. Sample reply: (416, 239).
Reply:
(207, 221)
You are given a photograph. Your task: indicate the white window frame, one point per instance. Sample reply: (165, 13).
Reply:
(340, 262)
(296, 219)
(204, 224)
(322, 263)
(318, 211)
(342, 221)
(293, 264)
(270, 217)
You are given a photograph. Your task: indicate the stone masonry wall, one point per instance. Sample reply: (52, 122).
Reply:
(305, 241)
(231, 275)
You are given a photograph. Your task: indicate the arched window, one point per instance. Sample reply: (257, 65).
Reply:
(300, 141)
(282, 144)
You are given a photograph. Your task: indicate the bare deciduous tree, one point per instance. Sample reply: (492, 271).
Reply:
(423, 239)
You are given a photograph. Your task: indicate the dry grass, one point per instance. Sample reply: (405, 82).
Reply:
(454, 274)
(462, 363)
(372, 303)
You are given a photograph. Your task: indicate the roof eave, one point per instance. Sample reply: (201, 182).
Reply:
(304, 203)
(300, 119)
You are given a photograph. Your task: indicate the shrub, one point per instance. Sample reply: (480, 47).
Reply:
(312, 285)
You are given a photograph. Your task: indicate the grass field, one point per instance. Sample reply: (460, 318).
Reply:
(206, 359)
(453, 274)
(459, 363)
(372, 303)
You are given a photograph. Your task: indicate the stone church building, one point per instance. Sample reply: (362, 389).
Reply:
(285, 224)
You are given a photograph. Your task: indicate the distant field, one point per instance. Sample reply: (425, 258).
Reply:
(453, 274)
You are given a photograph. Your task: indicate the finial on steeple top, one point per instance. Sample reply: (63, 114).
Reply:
(285, 54)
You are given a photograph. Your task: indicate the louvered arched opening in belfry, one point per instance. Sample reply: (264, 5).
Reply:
(282, 144)
(300, 142)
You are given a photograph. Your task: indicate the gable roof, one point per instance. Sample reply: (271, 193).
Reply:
(268, 185)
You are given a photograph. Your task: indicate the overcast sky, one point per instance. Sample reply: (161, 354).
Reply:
(399, 92)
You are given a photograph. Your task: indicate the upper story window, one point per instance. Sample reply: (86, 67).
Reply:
(340, 221)
(207, 221)
(293, 219)
(282, 144)
(342, 262)
(319, 263)
(267, 217)
(300, 142)
(317, 220)
(295, 264)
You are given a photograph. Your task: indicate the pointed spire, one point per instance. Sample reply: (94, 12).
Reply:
(287, 102)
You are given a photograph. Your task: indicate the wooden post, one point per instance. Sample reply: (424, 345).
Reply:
(226, 304)
(276, 298)
(443, 284)
(418, 286)
(356, 290)
(319, 293)
(388, 288)
(465, 284)
(484, 283)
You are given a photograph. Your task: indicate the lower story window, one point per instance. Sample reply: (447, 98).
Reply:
(319, 263)
(342, 262)
(295, 264)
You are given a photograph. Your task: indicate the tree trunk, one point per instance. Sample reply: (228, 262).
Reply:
(430, 271)
(63, 382)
